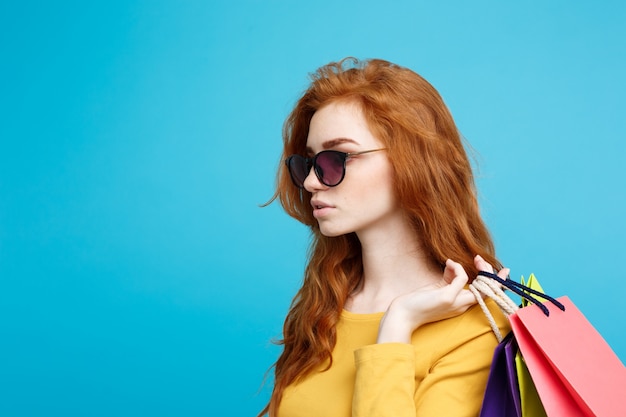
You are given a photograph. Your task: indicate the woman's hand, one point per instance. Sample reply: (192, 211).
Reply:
(483, 265)
(440, 301)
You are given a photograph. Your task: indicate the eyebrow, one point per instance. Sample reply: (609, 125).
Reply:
(332, 143)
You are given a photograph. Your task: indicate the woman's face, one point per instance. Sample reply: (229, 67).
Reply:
(364, 202)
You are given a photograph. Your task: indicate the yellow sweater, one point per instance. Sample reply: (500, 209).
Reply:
(442, 373)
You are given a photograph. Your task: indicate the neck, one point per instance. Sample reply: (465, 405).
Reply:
(394, 263)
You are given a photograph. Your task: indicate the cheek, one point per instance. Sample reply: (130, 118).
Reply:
(367, 187)
(375, 193)
(381, 182)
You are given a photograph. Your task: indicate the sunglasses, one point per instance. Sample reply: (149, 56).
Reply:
(329, 166)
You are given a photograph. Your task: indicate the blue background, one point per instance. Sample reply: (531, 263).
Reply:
(138, 276)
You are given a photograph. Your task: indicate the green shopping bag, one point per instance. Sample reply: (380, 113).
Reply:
(529, 398)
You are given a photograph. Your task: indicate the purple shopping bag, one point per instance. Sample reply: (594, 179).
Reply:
(502, 395)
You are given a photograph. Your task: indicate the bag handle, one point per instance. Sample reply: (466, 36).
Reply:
(491, 285)
(489, 288)
(525, 292)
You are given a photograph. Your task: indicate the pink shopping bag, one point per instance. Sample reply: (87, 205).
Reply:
(573, 368)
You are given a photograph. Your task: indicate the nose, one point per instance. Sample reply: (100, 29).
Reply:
(312, 183)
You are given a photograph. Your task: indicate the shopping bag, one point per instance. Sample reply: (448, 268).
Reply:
(573, 368)
(502, 392)
(510, 390)
(502, 395)
(529, 398)
(533, 284)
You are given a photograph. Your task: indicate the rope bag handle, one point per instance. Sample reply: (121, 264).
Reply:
(492, 286)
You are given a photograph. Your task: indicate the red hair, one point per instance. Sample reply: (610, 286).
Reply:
(434, 184)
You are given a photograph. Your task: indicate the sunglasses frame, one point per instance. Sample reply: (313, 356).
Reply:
(312, 163)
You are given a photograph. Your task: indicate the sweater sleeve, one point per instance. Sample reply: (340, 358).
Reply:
(443, 373)
(385, 381)
(455, 382)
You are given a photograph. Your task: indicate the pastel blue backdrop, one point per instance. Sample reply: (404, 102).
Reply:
(138, 276)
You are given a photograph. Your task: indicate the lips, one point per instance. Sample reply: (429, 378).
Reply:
(318, 204)
(320, 209)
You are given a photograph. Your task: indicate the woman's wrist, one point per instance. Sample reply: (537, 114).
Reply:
(395, 327)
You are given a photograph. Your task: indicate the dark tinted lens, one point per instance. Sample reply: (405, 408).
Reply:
(329, 167)
(298, 169)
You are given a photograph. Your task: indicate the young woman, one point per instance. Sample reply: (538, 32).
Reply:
(384, 324)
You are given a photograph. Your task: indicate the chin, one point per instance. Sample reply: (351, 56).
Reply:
(332, 232)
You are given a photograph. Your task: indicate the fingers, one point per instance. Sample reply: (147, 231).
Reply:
(447, 298)
(459, 296)
(504, 273)
(483, 265)
(455, 275)
(466, 299)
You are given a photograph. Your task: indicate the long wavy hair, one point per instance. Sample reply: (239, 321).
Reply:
(434, 184)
